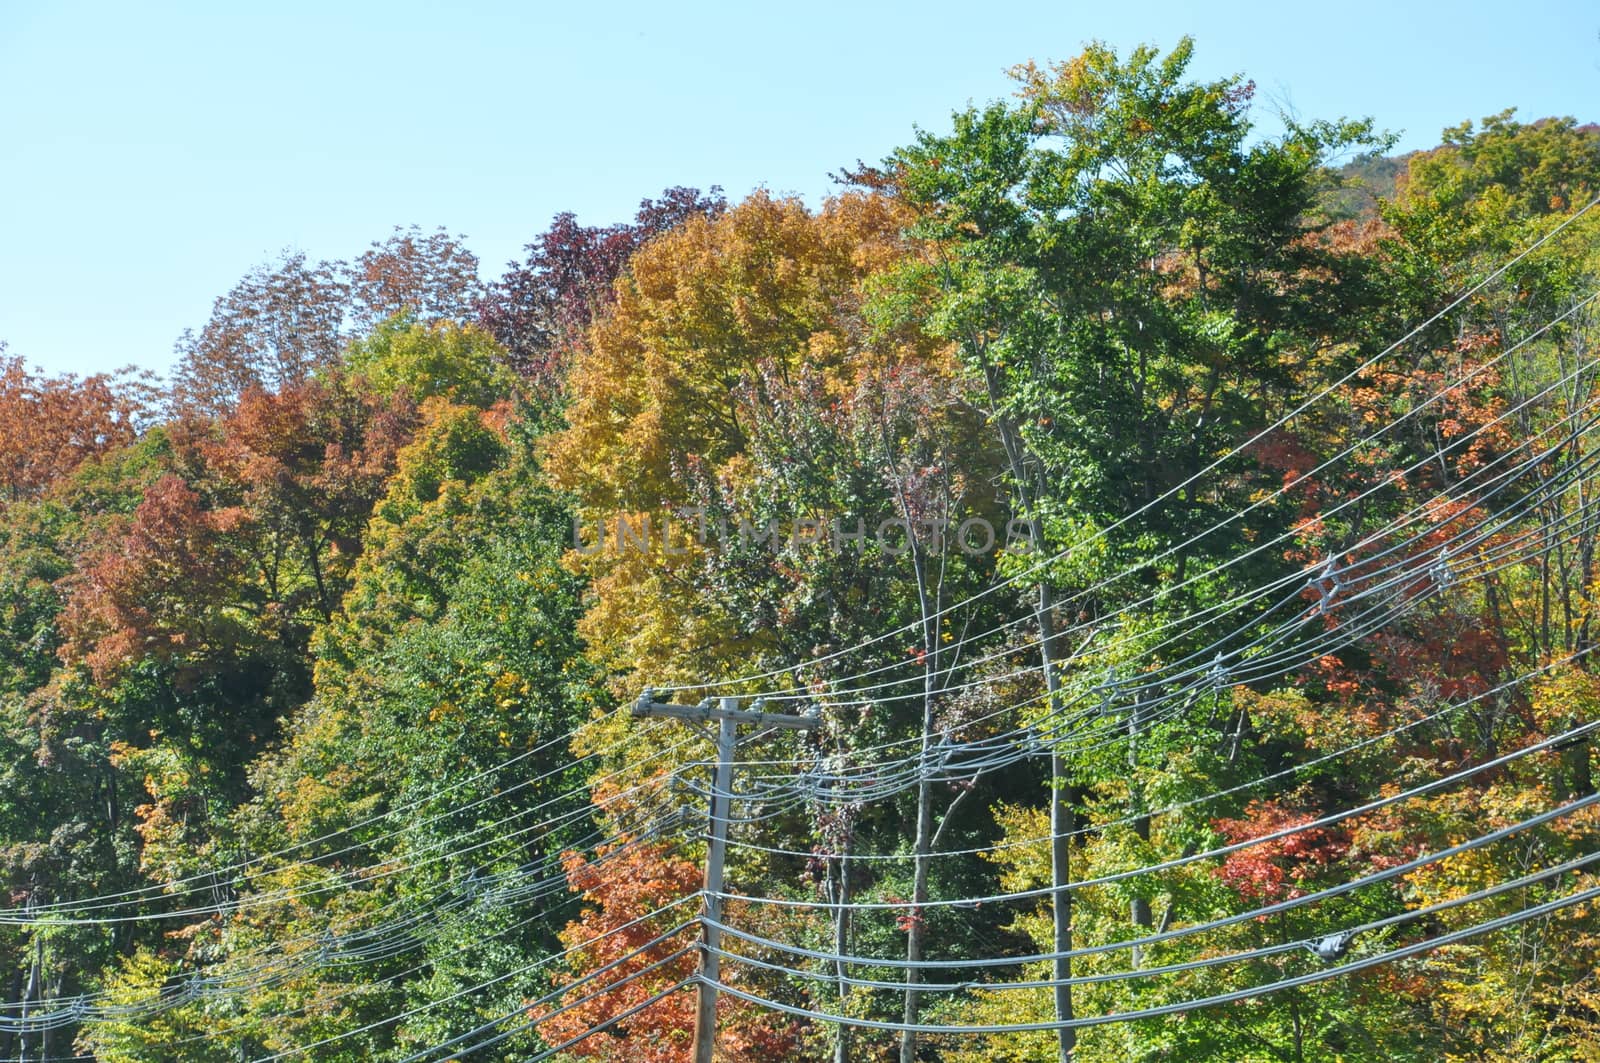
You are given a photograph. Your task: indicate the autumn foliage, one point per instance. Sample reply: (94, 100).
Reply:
(51, 425)
(623, 886)
(314, 663)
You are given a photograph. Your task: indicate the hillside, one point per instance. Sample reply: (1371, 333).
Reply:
(1165, 560)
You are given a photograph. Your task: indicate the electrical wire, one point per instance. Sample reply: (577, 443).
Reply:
(1173, 491)
(1193, 802)
(1159, 1011)
(1190, 673)
(161, 890)
(1254, 671)
(326, 951)
(562, 1010)
(597, 973)
(1289, 904)
(368, 873)
(1421, 512)
(1136, 973)
(1183, 861)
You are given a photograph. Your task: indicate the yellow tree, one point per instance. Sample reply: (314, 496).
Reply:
(709, 320)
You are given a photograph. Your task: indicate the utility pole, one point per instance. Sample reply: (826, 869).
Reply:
(729, 716)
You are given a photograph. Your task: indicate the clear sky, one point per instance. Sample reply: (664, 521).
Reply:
(151, 153)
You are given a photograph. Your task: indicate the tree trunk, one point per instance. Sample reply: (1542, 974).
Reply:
(841, 943)
(30, 993)
(8, 1039)
(1063, 821)
(1140, 907)
(915, 930)
(1063, 824)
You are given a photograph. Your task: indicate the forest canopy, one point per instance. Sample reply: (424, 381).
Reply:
(1177, 529)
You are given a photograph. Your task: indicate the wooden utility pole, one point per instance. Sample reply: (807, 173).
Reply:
(729, 716)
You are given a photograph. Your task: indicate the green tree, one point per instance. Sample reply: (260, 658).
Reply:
(1131, 280)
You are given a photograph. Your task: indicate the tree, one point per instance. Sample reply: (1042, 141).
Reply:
(428, 276)
(275, 328)
(738, 375)
(542, 305)
(330, 639)
(51, 425)
(267, 524)
(623, 885)
(1127, 279)
(442, 359)
(455, 650)
(289, 320)
(619, 891)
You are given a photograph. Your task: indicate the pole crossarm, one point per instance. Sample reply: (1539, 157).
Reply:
(709, 710)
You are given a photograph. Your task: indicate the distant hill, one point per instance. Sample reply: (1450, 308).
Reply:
(1368, 179)
(1364, 181)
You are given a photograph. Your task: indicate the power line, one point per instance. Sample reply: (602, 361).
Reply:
(442, 848)
(206, 879)
(1525, 915)
(563, 1009)
(323, 951)
(1182, 861)
(1136, 973)
(1179, 806)
(566, 988)
(1303, 900)
(1173, 491)
(1420, 512)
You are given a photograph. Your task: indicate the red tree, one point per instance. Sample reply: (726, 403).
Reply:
(51, 425)
(627, 881)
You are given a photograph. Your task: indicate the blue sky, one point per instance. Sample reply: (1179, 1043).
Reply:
(152, 153)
